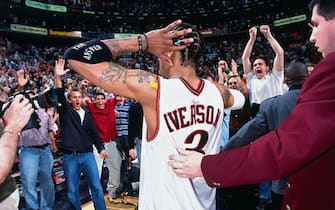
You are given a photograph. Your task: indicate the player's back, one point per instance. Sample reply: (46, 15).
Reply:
(187, 118)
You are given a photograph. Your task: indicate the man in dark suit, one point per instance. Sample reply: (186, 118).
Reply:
(303, 147)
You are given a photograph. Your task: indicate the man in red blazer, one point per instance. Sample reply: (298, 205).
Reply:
(303, 147)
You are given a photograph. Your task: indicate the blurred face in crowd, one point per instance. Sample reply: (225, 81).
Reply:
(100, 101)
(323, 32)
(42, 89)
(260, 68)
(69, 81)
(120, 100)
(76, 99)
(232, 83)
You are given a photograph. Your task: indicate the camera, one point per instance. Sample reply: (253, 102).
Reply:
(47, 98)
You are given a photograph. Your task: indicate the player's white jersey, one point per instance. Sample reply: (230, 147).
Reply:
(187, 118)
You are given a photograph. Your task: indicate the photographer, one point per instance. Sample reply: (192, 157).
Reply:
(15, 118)
(36, 159)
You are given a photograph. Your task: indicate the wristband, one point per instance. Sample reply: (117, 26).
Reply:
(140, 44)
(140, 51)
(146, 42)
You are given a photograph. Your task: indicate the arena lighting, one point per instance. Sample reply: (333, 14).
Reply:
(290, 20)
(44, 6)
(65, 33)
(88, 12)
(28, 29)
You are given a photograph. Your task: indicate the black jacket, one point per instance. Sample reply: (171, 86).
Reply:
(74, 135)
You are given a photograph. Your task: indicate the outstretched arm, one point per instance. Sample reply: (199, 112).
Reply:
(248, 49)
(158, 42)
(278, 63)
(92, 61)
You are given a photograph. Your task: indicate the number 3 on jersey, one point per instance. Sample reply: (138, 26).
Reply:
(199, 135)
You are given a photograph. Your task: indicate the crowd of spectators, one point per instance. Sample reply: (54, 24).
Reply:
(39, 60)
(153, 8)
(221, 17)
(227, 44)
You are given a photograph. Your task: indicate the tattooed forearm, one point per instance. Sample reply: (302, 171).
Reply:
(117, 73)
(115, 48)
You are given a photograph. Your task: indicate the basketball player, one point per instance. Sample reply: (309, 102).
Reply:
(183, 111)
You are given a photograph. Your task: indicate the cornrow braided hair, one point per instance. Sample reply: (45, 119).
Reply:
(193, 53)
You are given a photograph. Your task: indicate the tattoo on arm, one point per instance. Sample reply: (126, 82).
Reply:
(115, 48)
(116, 73)
(113, 74)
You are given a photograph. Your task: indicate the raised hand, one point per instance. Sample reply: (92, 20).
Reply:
(160, 40)
(59, 68)
(233, 66)
(223, 65)
(253, 33)
(22, 79)
(265, 30)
